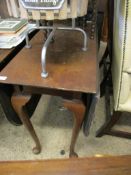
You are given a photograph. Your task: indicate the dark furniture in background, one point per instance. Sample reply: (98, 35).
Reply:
(111, 118)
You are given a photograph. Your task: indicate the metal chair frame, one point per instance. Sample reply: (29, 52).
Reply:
(66, 9)
(44, 73)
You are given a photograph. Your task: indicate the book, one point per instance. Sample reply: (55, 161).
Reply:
(15, 34)
(12, 40)
(12, 25)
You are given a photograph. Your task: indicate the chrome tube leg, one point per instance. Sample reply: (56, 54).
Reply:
(85, 38)
(44, 73)
(28, 45)
(77, 29)
(83, 32)
(73, 23)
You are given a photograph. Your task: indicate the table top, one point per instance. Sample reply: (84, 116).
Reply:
(69, 67)
(120, 165)
(4, 53)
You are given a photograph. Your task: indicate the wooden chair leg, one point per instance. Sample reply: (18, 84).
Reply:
(106, 128)
(78, 108)
(18, 103)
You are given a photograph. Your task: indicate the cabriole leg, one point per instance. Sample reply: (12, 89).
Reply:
(18, 103)
(78, 109)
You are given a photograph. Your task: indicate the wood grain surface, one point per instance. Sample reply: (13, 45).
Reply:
(4, 53)
(87, 166)
(69, 67)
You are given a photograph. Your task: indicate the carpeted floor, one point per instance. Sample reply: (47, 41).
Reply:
(54, 127)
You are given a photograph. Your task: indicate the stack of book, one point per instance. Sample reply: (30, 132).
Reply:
(12, 32)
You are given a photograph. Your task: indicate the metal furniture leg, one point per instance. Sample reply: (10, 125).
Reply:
(28, 45)
(44, 73)
(85, 38)
(82, 31)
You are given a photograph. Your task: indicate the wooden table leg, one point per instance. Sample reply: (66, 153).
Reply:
(78, 108)
(18, 103)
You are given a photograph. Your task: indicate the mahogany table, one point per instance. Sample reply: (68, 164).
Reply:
(6, 55)
(120, 165)
(72, 75)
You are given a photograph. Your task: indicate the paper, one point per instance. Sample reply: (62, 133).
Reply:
(3, 78)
